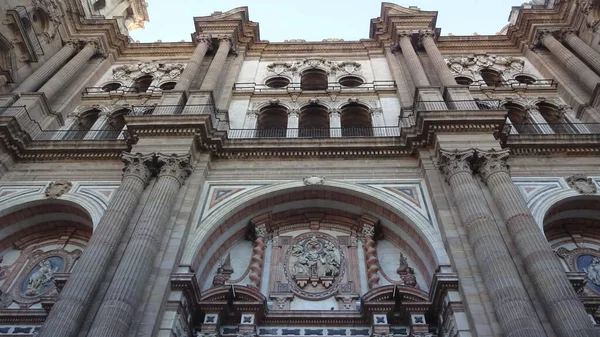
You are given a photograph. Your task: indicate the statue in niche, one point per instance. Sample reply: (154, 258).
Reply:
(593, 271)
(407, 274)
(41, 278)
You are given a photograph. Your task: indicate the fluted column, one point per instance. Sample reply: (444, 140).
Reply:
(335, 123)
(218, 61)
(368, 232)
(565, 311)
(41, 75)
(439, 64)
(125, 291)
(591, 56)
(292, 123)
(417, 72)
(63, 77)
(191, 69)
(570, 61)
(69, 311)
(258, 255)
(511, 302)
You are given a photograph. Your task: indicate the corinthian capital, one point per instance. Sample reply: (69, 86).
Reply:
(225, 39)
(203, 38)
(492, 162)
(176, 166)
(426, 34)
(138, 165)
(453, 162)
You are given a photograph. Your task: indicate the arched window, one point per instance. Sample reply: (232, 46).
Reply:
(314, 122)
(524, 79)
(40, 20)
(314, 79)
(111, 86)
(85, 122)
(518, 118)
(142, 83)
(277, 82)
(167, 86)
(491, 77)
(553, 117)
(350, 81)
(356, 121)
(116, 123)
(272, 122)
(463, 80)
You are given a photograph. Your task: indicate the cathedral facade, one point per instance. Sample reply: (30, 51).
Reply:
(410, 184)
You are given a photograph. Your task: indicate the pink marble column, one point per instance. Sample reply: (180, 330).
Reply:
(258, 255)
(371, 256)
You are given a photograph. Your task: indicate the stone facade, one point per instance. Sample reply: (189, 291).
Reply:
(408, 184)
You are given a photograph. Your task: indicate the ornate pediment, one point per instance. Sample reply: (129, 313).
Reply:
(476, 62)
(157, 70)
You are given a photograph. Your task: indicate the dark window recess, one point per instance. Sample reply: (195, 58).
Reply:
(314, 79)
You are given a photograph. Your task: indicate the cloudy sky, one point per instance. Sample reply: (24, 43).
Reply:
(315, 20)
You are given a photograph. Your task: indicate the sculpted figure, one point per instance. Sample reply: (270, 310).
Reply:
(593, 271)
(40, 278)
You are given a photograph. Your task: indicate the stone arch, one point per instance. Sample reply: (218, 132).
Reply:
(258, 106)
(492, 76)
(517, 114)
(470, 77)
(314, 120)
(142, 83)
(396, 216)
(355, 119)
(272, 121)
(513, 76)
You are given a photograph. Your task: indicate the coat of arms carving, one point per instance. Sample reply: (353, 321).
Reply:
(582, 184)
(57, 188)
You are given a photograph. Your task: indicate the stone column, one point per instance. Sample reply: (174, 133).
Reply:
(368, 232)
(335, 123)
(216, 66)
(64, 76)
(417, 73)
(258, 255)
(191, 69)
(591, 56)
(41, 75)
(292, 123)
(509, 298)
(74, 300)
(125, 291)
(565, 311)
(570, 61)
(439, 64)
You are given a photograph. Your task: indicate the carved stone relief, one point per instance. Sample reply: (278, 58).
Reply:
(50, 7)
(314, 180)
(476, 62)
(584, 260)
(57, 188)
(157, 70)
(314, 266)
(582, 184)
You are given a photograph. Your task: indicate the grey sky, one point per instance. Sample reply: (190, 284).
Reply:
(315, 20)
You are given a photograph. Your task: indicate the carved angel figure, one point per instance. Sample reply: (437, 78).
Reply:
(40, 278)
(330, 260)
(593, 271)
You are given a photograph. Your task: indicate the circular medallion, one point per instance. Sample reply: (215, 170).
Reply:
(314, 266)
(41, 277)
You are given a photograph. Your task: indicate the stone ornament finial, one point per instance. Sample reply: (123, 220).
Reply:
(176, 166)
(57, 188)
(582, 184)
(138, 165)
(492, 162)
(454, 162)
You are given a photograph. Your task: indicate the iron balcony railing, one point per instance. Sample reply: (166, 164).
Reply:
(537, 84)
(380, 131)
(29, 31)
(492, 104)
(198, 109)
(371, 86)
(554, 128)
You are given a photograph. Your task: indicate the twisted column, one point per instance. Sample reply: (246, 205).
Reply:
(191, 69)
(258, 255)
(63, 77)
(591, 56)
(74, 300)
(439, 64)
(417, 72)
(218, 61)
(569, 60)
(371, 256)
(565, 311)
(41, 75)
(125, 291)
(507, 293)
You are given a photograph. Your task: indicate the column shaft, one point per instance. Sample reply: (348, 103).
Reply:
(292, 124)
(64, 76)
(258, 256)
(216, 66)
(41, 75)
(191, 69)
(591, 56)
(69, 311)
(588, 78)
(441, 68)
(417, 72)
(335, 123)
(125, 291)
(511, 302)
(565, 310)
(371, 256)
